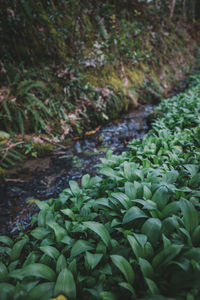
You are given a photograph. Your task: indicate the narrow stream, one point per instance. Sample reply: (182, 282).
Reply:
(44, 178)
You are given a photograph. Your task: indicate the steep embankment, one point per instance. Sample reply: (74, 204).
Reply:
(79, 69)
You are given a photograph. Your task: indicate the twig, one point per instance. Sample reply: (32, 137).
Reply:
(8, 148)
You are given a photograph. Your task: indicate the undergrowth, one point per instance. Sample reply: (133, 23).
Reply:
(132, 232)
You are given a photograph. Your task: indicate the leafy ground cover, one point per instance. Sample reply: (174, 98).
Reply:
(131, 232)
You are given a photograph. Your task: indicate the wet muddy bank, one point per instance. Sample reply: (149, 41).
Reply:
(44, 178)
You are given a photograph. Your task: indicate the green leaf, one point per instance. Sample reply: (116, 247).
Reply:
(85, 181)
(59, 231)
(165, 256)
(152, 229)
(80, 246)
(146, 268)
(109, 172)
(124, 266)
(107, 296)
(190, 215)
(3, 272)
(196, 236)
(93, 259)
(74, 187)
(130, 190)
(99, 229)
(122, 198)
(161, 197)
(68, 212)
(152, 286)
(17, 248)
(42, 291)
(128, 287)
(61, 263)
(171, 176)
(65, 284)
(42, 204)
(129, 171)
(6, 240)
(36, 270)
(73, 267)
(171, 209)
(50, 251)
(133, 213)
(140, 246)
(40, 233)
(147, 194)
(7, 291)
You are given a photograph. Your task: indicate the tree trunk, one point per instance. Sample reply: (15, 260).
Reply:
(172, 7)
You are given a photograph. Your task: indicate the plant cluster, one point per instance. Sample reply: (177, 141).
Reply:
(132, 232)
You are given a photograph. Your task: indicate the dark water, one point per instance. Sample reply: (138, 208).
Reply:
(47, 177)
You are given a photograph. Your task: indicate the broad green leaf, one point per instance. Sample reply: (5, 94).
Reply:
(6, 291)
(130, 190)
(61, 263)
(59, 231)
(103, 202)
(165, 256)
(124, 266)
(80, 246)
(139, 246)
(93, 259)
(73, 267)
(42, 204)
(131, 172)
(40, 233)
(152, 229)
(122, 198)
(85, 181)
(146, 268)
(99, 229)
(3, 272)
(147, 194)
(128, 287)
(192, 169)
(6, 240)
(36, 270)
(190, 215)
(109, 172)
(161, 197)
(107, 296)
(74, 187)
(152, 286)
(31, 258)
(136, 247)
(196, 236)
(68, 212)
(50, 251)
(171, 209)
(134, 213)
(171, 176)
(65, 285)
(42, 291)
(41, 218)
(17, 249)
